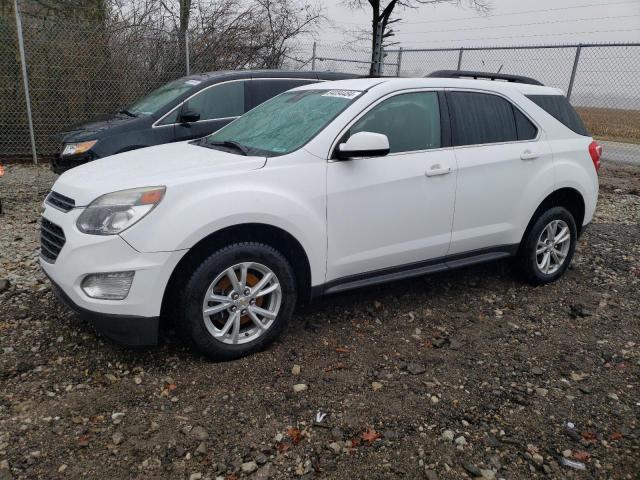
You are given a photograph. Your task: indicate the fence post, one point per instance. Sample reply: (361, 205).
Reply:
(186, 52)
(313, 57)
(25, 81)
(574, 70)
(399, 62)
(377, 52)
(460, 58)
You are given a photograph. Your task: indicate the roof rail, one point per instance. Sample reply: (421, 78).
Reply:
(483, 75)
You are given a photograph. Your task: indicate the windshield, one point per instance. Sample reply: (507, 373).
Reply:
(284, 123)
(161, 96)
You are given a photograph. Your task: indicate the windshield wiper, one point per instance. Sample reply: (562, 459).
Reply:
(127, 112)
(226, 143)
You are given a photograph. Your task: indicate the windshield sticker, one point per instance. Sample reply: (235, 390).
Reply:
(193, 82)
(342, 93)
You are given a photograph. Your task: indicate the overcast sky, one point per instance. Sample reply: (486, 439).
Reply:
(510, 22)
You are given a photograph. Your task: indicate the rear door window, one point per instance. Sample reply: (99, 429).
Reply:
(559, 108)
(526, 129)
(478, 118)
(262, 89)
(219, 101)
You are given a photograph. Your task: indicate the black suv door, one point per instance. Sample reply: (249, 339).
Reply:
(214, 107)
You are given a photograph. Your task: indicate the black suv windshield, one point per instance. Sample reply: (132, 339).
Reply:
(284, 123)
(160, 97)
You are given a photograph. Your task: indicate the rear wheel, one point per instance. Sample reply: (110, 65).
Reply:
(547, 250)
(238, 300)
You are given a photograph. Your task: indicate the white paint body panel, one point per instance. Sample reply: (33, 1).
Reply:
(350, 217)
(497, 192)
(385, 211)
(84, 254)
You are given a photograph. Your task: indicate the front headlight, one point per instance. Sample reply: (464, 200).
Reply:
(114, 212)
(77, 148)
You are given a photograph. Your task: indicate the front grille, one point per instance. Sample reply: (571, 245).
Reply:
(60, 201)
(52, 240)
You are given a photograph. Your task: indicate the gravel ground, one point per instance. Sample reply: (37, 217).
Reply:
(464, 374)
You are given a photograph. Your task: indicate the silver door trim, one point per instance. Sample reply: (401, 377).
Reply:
(155, 124)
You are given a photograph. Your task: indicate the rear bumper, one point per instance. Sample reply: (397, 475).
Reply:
(126, 330)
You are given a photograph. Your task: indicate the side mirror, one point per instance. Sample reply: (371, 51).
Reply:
(189, 116)
(363, 144)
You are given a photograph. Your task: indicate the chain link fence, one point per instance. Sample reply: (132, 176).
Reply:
(602, 81)
(84, 69)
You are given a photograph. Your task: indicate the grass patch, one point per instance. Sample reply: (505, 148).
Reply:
(612, 124)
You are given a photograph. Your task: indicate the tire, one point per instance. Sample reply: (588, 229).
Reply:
(212, 277)
(531, 263)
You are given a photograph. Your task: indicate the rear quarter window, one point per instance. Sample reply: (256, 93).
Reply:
(559, 108)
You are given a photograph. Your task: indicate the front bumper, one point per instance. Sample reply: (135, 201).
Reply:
(60, 164)
(132, 321)
(126, 330)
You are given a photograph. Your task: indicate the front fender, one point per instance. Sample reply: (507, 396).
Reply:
(275, 196)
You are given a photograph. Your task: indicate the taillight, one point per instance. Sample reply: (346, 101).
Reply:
(595, 150)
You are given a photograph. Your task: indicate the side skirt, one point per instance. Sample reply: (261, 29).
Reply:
(417, 269)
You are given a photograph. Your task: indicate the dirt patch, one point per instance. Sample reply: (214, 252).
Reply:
(456, 375)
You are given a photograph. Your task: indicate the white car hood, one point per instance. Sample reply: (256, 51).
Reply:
(168, 164)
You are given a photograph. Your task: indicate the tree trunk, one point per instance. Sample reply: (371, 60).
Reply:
(185, 11)
(374, 31)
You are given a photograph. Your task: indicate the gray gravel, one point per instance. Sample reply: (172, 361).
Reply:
(445, 377)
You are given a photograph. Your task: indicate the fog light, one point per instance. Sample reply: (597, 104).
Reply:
(108, 286)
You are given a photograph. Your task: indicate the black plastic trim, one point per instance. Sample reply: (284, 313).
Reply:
(581, 229)
(123, 329)
(361, 153)
(446, 138)
(52, 240)
(60, 202)
(449, 262)
(484, 75)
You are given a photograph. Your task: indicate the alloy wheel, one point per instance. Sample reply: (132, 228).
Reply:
(242, 303)
(553, 247)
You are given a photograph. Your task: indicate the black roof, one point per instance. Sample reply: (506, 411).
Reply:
(269, 73)
(483, 75)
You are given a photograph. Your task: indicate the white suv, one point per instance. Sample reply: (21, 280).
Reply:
(321, 189)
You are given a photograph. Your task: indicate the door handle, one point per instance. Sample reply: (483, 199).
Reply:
(528, 155)
(437, 170)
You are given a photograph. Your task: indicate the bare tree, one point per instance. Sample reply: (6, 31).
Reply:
(382, 11)
(237, 34)
(284, 20)
(87, 58)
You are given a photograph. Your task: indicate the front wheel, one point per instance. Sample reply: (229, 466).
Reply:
(238, 301)
(547, 250)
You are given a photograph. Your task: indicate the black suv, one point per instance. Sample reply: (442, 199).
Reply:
(184, 109)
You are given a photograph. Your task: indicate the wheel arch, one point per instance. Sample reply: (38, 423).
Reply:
(566, 197)
(270, 235)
